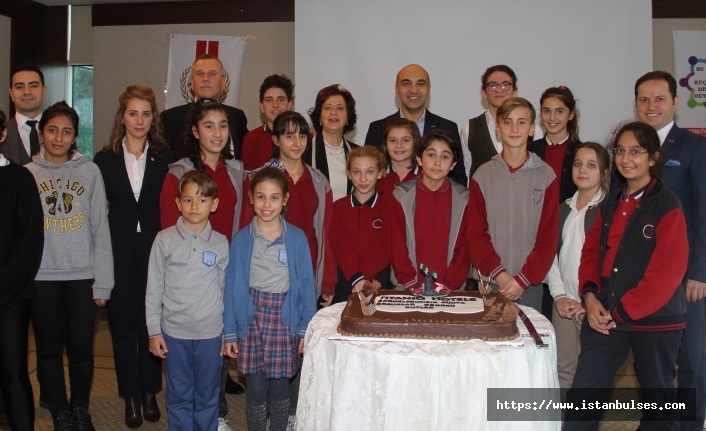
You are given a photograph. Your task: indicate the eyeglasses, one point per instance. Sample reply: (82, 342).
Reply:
(494, 86)
(632, 151)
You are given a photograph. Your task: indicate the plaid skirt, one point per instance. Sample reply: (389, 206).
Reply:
(268, 346)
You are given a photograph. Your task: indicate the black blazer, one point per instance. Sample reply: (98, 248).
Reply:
(124, 212)
(432, 121)
(567, 188)
(13, 148)
(322, 161)
(174, 121)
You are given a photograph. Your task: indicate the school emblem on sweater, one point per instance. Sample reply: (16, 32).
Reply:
(377, 223)
(648, 231)
(282, 257)
(209, 258)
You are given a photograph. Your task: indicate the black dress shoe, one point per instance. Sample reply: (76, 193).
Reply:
(233, 388)
(150, 409)
(133, 418)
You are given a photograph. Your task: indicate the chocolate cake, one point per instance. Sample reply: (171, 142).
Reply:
(468, 315)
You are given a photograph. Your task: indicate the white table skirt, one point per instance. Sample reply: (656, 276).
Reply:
(411, 385)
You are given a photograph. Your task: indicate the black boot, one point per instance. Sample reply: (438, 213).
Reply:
(133, 417)
(82, 419)
(233, 388)
(63, 420)
(150, 409)
(42, 401)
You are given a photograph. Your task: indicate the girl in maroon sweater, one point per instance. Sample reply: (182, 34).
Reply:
(400, 139)
(631, 280)
(359, 225)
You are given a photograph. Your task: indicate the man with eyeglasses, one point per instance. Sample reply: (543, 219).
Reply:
(412, 87)
(478, 139)
(683, 157)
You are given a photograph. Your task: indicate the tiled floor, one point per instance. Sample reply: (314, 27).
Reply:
(107, 408)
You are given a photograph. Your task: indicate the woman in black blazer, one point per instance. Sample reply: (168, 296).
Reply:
(333, 115)
(134, 164)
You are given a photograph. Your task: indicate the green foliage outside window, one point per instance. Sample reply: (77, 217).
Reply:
(82, 90)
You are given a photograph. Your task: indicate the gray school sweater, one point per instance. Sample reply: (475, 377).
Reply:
(185, 283)
(76, 234)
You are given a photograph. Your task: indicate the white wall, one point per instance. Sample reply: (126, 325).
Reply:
(125, 55)
(663, 43)
(5, 43)
(596, 48)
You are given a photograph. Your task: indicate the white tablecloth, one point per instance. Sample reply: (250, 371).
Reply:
(349, 383)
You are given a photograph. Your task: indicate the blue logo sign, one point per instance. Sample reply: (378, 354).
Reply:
(282, 257)
(209, 258)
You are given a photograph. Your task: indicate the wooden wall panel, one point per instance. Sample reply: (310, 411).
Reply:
(678, 9)
(193, 12)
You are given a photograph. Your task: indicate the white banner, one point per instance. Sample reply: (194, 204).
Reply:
(690, 73)
(183, 50)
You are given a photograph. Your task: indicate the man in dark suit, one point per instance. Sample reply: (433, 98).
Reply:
(207, 81)
(27, 91)
(684, 159)
(412, 88)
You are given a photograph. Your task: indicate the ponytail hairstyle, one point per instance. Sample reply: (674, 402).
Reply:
(400, 123)
(155, 137)
(188, 146)
(61, 109)
(567, 98)
(289, 122)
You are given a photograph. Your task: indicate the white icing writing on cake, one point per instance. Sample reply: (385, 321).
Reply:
(450, 304)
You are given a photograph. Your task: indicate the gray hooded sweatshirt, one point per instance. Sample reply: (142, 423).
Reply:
(76, 235)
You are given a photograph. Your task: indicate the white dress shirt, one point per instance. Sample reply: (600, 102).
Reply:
(664, 131)
(336, 159)
(467, 159)
(563, 276)
(24, 129)
(135, 171)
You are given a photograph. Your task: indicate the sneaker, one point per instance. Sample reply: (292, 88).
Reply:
(64, 421)
(82, 419)
(292, 423)
(223, 425)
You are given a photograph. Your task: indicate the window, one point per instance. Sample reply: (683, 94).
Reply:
(82, 102)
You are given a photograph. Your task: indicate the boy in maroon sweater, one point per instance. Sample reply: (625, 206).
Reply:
(513, 228)
(275, 97)
(428, 218)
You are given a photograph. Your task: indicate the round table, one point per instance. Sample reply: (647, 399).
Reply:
(354, 383)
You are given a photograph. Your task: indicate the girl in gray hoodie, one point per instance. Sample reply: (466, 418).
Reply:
(76, 273)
